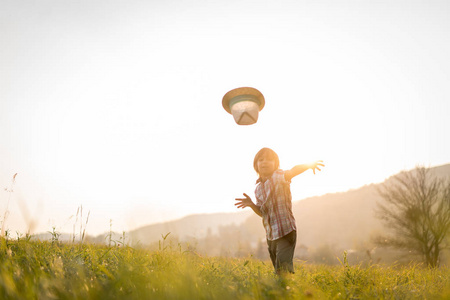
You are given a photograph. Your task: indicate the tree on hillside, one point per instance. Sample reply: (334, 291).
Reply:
(416, 212)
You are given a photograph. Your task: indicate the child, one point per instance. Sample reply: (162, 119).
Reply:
(274, 205)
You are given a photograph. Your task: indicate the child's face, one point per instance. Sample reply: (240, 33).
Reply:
(266, 166)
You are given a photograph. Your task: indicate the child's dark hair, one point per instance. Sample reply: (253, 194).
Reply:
(270, 153)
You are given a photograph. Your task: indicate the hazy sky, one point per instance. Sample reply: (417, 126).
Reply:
(116, 105)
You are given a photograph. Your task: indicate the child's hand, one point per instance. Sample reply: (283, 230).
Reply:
(315, 165)
(244, 202)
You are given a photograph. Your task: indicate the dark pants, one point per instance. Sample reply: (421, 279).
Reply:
(282, 252)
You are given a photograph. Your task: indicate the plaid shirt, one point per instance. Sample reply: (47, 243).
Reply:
(274, 198)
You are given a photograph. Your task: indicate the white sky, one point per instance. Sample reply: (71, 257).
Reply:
(116, 105)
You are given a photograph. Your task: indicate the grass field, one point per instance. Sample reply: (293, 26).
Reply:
(53, 270)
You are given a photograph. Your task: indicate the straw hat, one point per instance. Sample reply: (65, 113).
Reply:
(251, 92)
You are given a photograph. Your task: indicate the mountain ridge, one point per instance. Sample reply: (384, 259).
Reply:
(342, 219)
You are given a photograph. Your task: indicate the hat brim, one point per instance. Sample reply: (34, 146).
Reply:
(242, 91)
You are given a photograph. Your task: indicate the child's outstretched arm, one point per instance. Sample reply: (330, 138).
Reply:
(299, 169)
(247, 202)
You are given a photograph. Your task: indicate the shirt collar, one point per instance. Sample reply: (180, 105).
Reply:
(260, 180)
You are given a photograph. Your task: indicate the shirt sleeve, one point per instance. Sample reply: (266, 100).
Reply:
(257, 195)
(278, 177)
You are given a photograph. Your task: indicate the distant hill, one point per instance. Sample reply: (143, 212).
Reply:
(190, 227)
(342, 220)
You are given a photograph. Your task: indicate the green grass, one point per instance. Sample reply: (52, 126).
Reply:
(51, 270)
